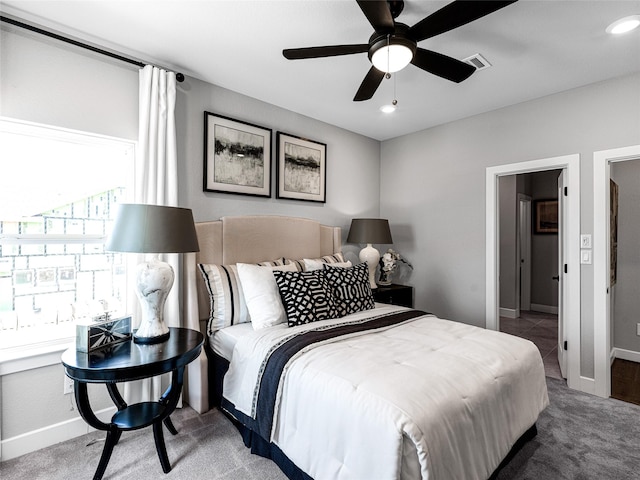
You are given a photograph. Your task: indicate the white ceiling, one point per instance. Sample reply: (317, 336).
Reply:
(536, 47)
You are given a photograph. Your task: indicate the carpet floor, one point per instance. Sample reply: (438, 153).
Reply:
(580, 437)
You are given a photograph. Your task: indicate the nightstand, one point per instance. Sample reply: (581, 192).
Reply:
(394, 294)
(124, 362)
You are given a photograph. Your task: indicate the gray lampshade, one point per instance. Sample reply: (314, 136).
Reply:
(369, 230)
(153, 229)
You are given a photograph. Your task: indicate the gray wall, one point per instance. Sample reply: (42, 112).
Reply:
(433, 184)
(544, 247)
(353, 161)
(626, 292)
(60, 85)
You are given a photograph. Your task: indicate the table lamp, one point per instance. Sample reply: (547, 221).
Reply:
(369, 231)
(156, 229)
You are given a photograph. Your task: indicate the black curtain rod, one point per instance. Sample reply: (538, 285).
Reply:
(17, 23)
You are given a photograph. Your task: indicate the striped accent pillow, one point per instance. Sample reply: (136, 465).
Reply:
(329, 259)
(227, 303)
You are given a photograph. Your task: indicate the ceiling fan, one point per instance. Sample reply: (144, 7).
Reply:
(393, 45)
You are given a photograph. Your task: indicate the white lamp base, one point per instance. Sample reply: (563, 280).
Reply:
(153, 283)
(371, 256)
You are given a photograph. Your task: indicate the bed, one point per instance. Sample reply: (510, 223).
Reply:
(364, 390)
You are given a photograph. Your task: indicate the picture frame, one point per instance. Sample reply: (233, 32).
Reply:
(546, 216)
(237, 156)
(301, 168)
(613, 232)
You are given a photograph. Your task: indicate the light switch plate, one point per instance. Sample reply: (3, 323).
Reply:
(585, 257)
(585, 241)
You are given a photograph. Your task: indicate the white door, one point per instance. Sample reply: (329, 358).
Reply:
(524, 229)
(562, 272)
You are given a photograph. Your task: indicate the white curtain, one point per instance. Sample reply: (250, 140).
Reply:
(156, 183)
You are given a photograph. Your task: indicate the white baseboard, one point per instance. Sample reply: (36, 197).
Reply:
(587, 385)
(509, 312)
(44, 437)
(536, 307)
(626, 354)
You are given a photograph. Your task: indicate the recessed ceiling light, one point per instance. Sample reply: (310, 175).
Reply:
(624, 25)
(388, 108)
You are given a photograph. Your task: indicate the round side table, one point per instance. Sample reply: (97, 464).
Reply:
(129, 361)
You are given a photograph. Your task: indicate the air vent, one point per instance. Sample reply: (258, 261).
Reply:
(478, 61)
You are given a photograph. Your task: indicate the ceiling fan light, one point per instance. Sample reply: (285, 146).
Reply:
(388, 108)
(624, 25)
(392, 58)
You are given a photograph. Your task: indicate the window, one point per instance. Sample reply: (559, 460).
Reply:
(58, 195)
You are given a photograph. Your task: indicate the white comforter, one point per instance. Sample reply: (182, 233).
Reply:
(429, 398)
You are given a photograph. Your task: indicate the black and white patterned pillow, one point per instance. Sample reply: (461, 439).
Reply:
(351, 288)
(306, 296)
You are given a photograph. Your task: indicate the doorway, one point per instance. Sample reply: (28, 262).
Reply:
(603, 345)
(570, 164)
(530, 261)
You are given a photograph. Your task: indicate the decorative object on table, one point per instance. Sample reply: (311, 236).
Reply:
(388, 264)
(94, 334)
(237, 156)
(369, 231)
(302, 168)
(153, 229)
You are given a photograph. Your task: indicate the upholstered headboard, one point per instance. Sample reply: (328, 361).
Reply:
(244, 239)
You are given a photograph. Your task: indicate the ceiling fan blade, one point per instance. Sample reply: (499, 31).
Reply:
(378, 14)
(328, 51)
(369, 85)
(442, 65)
(453, 15)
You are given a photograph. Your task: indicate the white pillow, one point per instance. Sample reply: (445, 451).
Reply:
(311, 264)
(261, 294)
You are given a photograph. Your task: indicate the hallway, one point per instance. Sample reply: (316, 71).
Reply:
(541, 329)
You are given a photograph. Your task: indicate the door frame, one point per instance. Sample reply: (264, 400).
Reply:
(602, 161)
(571, 165)
(524, 236)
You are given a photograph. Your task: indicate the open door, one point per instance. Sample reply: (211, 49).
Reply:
(524, 241)
(562, 272)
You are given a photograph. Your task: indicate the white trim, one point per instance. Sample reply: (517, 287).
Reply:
(50, 435)
(572, 323)
(601, 329)
(588, 385)
(536, 307)
(51, 239)
(509, 312)
(623, 354)
(19, 359)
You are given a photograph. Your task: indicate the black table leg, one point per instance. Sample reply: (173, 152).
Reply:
(158, 437)
(117, 399)
(171, 396)
(169, 424)
(113, 435)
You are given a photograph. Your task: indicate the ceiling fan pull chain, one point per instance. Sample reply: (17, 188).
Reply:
(388, 54)
(395, 101)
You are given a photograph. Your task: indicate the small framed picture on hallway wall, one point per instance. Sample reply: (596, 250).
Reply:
(546, 216)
